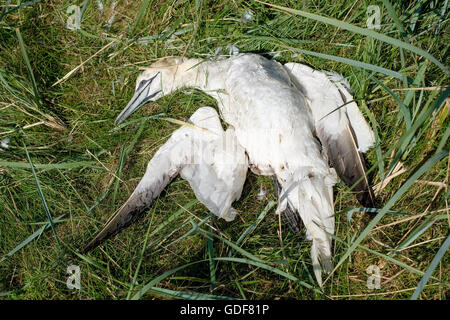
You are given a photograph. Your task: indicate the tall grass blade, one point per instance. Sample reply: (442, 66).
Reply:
(371, 210)
(212, 267)
(161, 277)
(351, 62)
(391, 11)
(427, 165)
(195, 227)
(33, 236)
(47, 211)
(261, 216)
(444, 140)
(272, 269)
(141, 257)
(234, 246)
(142, 9)
(362, 31)
(83, 9)
(404, 110)
(50, 166)
(441, 252)
(24, 4)
(424, 226)
(172, 218)
(406, 138)
(386, 257)
(118, 174)
(27, 62)
(5, 9)
(187, 295)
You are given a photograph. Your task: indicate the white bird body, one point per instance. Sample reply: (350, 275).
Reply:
(275, 116)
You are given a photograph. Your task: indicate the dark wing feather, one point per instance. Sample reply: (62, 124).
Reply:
(349, 163)
(290, 216)
(127, 214)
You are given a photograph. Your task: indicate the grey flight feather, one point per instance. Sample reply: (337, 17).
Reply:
(128, 213)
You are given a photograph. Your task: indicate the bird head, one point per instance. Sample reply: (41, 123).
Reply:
(154, 82)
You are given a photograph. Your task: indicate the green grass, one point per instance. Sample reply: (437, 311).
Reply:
(85, 168)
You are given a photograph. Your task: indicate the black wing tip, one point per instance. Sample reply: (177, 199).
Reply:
(366, 198)
(90, 246)
(292, 219)
(290, 216)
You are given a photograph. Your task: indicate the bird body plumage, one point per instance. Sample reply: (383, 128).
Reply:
(277, 113)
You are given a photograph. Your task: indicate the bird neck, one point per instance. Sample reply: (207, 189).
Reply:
(198, 74)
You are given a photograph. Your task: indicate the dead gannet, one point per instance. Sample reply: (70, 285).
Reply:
(211, 160)
(273, 112)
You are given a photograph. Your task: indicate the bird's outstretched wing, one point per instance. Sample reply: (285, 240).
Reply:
(340, 125)
(211, 160)
(160, 171)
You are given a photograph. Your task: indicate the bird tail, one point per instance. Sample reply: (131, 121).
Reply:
(315, 203)
(160, 171)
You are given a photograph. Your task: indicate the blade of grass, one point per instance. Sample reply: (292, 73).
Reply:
(351, 62)
(27, 62)
(5, 9)
(404, 110)
(24, 4)
(424, 226)
(133, 282)
(362, 31)
(444, 140)
(33, 236)
(118, 173)
(161, 277)
(441, 252)
(141, 12)
(156, 280)
(391, 11)
(136, 136)
(391, 202)
(47, 211)
(62, 165)
(384, 256)
(272, 269)
(172, 218)
(352, 211)
(187, 295)
(406, 138)
(124, 124)
(257, 221)
(234, 246)
(195, 227)
(83, 9)
(212, 268)
(67, 76)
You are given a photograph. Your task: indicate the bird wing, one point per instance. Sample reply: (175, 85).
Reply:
(160, 171)
(340, 126)
(192, 152)
(219, 176)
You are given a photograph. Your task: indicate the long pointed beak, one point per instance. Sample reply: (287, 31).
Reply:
(140, 97)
